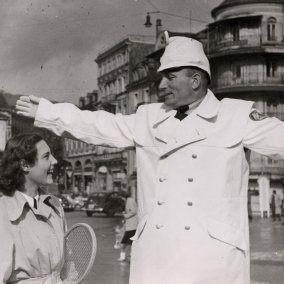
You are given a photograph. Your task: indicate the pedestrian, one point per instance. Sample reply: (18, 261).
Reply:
(275, 205)
(250, 216)
(119, 231)
(192, 171)
(32, 223)
(130, 223)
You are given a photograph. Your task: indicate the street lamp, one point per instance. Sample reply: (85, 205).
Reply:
(148, 23)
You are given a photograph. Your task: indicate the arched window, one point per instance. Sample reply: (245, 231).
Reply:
(271, 27)
(78, 166)
(88, 166)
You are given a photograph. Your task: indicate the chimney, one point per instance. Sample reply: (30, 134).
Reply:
(158, 27)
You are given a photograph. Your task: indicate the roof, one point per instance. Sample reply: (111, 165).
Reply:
(132, 38)
(223, 21)
(231, 3)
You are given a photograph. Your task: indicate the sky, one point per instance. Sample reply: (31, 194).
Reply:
(48, 47)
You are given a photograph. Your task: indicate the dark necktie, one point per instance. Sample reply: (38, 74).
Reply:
(35, 204)
(181, 112)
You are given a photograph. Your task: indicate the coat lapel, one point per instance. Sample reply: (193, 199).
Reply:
(165, 115)
(192, 129)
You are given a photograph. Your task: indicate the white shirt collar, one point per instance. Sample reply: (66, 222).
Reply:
(30, 199)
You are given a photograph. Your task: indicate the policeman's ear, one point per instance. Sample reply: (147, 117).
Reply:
(196, 81)
(24, 166)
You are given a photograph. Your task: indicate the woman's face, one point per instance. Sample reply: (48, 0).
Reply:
(41, 172)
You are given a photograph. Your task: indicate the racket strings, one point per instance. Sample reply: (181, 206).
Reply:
(78, 254)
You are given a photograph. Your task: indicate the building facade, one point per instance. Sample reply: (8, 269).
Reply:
(116, 168)
(245, 48)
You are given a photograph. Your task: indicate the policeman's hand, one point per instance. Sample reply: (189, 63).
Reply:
(27, 106)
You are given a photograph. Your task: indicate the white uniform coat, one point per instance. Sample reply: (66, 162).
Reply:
(192, 183)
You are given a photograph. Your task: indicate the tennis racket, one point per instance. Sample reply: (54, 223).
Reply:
(80, 253)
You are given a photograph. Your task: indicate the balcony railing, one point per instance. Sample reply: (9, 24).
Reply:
(108, 98)
(248, 80)
(271, 169)
(258, 38)
(275, 114)
(229, 43)
(110, 156)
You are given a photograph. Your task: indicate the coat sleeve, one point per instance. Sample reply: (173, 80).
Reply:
(6, 253)
(265, 135)
(93, 127)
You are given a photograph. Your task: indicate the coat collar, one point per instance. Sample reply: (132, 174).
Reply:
(17, 203)
(192, 129)
(207, 109)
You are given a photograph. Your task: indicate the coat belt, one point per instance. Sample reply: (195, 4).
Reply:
(53, 278)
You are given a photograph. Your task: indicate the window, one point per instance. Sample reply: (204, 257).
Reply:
(270, 68)
(271, 107)
(271, 23)
(119, 60)
(272, 162)
(237, 71)
(236, 34)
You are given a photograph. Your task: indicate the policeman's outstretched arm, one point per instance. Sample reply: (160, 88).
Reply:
(27, 106)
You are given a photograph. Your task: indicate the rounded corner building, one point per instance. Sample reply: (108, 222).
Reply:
(246, 48)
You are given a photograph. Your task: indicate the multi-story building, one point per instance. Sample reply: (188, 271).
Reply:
(246, 54)
(115, 168)
(7, 101)
(5, 130)
(6, 106)
(81, 171)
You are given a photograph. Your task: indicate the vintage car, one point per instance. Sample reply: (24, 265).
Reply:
(108, 203)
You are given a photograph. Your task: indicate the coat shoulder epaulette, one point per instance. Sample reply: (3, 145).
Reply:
(53, 202)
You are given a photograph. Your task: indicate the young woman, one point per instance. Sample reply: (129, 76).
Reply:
(32, 223)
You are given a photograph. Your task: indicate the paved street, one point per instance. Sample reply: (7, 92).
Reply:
(267, 251)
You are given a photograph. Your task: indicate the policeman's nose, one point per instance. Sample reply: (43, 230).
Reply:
(163, 84)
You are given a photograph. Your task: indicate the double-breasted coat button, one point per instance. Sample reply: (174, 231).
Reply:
(194, 156)
(159, 226)
(160, 202)
(161, 179)
(189, 203)
(187, 228)
(190, 179)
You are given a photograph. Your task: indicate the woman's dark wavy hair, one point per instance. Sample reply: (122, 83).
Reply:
(19, 148)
